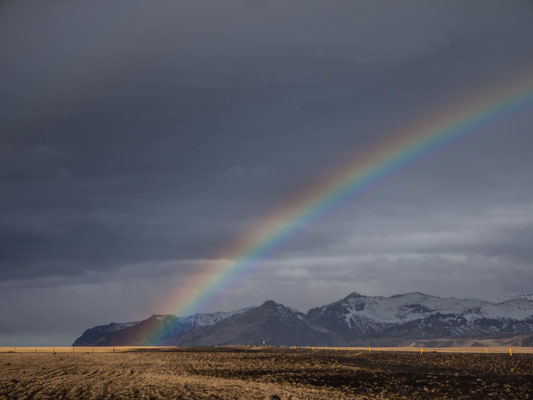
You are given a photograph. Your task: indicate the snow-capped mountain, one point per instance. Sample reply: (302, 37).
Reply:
(349, 321)
(419, 315)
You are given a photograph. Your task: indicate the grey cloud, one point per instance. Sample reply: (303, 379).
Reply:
(139, 141)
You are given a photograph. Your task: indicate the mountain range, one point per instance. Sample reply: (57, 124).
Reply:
(353, 320)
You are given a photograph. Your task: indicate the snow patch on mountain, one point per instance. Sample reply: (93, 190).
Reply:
(114, 326)
(209, 319)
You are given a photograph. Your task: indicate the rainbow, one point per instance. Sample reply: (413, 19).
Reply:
(403, 147)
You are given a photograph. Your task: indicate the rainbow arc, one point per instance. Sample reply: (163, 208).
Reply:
(403, 148)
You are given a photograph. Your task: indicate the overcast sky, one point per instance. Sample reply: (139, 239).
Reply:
(138, 139)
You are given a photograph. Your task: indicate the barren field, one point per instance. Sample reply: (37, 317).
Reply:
(245, 373)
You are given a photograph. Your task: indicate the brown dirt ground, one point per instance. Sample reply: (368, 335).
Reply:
(241, 373)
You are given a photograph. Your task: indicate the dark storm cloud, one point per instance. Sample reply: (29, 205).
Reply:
(138, 140)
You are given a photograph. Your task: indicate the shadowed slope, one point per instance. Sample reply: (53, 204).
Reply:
(271, 322)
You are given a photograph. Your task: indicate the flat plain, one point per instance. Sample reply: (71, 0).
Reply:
(264, 373)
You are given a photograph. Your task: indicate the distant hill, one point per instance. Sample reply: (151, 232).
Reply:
(156, 330)
(353, 320)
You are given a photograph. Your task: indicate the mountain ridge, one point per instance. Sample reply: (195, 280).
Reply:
(352, 320)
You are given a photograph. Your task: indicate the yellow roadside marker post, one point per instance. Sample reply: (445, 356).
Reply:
(335, 349)
(510, 352)
(369, 349)
(485, 350)
(421, 350)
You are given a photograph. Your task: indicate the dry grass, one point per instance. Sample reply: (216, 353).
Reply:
(246, 373)
(119, 349)
(86, 349)
(467, 350)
